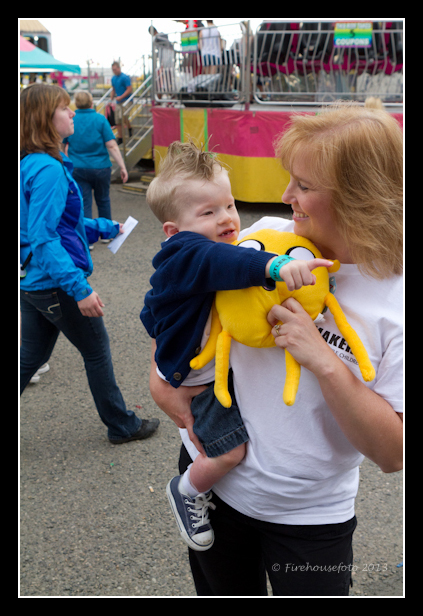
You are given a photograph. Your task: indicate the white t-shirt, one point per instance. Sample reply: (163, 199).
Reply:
(210, 42)
(299, 467)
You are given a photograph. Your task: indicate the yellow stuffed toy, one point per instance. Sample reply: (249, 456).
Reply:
(242, 315)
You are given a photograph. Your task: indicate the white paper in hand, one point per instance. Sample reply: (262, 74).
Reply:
(117, 242)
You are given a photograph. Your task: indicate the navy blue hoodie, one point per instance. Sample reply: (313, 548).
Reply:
(189, 270)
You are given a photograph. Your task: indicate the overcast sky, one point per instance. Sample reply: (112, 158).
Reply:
(76, 40)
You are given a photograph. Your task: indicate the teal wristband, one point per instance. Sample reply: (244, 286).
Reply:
(277, 264)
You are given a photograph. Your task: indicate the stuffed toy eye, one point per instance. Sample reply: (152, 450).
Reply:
(299, 252)
(252, 244)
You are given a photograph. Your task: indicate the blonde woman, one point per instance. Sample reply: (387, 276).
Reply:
(288, 507)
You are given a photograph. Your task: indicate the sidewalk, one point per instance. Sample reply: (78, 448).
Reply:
(95, 517)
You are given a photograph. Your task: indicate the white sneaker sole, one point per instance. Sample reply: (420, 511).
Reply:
(183, 533)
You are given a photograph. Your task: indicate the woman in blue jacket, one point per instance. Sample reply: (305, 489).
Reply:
(56, 261)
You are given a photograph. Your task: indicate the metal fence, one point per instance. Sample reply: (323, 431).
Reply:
(283, 62)
(311, 62)
(203, 66)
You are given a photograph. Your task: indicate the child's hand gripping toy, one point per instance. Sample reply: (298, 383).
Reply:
(242, 315)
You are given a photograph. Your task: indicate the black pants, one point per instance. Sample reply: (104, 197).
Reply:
(301, 561)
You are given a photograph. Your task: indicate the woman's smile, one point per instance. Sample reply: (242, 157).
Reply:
(312, 212)
(298, 215)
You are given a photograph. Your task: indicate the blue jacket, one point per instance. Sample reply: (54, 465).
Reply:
(189, 269)
(53, 227)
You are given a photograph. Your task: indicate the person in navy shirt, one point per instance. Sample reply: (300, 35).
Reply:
(122, 90)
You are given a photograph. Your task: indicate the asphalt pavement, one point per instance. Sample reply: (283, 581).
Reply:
(95, 520)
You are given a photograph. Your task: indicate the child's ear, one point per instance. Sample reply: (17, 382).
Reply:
(170, 229)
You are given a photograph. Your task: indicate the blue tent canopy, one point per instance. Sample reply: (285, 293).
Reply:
(40, 61)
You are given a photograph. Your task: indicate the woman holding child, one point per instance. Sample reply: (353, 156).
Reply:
(288, 507)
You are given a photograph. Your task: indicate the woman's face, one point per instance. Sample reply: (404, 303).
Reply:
(312, 212)
(62, 120)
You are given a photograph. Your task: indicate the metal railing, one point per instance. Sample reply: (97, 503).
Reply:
(202, 67)
(100, 105)
(284, 62)
(305, 62)
(136, 111)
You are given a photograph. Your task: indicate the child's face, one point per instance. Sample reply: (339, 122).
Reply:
(210, 209)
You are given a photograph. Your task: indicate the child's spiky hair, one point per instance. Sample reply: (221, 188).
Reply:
(184, 161)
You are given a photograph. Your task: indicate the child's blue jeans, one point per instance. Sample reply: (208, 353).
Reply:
(219, 429)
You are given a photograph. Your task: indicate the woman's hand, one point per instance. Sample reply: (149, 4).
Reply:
(123, 174)
(299, 335)
(369, 422)
(114, 151)
(91, 306)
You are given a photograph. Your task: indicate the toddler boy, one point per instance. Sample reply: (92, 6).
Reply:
(192, 198)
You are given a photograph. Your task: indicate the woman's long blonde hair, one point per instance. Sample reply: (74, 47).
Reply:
(38, 103)
(356, 153)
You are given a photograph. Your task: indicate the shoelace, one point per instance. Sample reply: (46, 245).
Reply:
(201, 509)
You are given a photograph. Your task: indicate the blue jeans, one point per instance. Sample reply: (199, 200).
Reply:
(97, 180)
(219, 429)
(47, 313)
